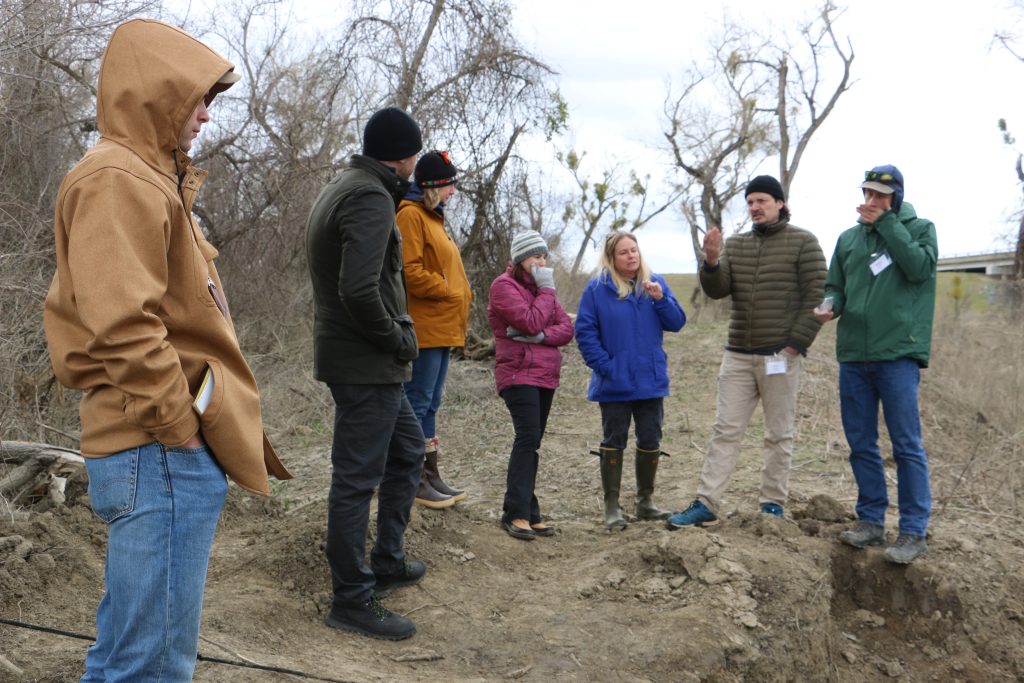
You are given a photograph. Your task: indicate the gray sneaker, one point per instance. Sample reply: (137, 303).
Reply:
(906, 549)
(863, 535)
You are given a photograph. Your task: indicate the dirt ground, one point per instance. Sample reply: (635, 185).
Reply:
(755, 599)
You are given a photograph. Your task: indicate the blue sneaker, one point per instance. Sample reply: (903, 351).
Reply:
(695, 515)
(771, 509)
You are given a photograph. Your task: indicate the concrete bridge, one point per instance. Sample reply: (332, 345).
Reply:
(997, 263)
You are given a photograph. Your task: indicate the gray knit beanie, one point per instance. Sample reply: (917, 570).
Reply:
(527, 244)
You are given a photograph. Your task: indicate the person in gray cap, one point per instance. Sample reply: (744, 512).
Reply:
(529, 325)
(775, 274)
(364, 345)
(881, 287)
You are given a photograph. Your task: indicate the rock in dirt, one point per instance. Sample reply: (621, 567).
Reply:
(720, 570)
(893, 669)
(869, 618)
(653, 588)
(677, 582)
(615, 578)
(748, 619)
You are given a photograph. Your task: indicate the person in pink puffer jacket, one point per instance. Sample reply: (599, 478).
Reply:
(529, 325)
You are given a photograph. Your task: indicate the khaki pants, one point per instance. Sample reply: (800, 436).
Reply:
(742, 381)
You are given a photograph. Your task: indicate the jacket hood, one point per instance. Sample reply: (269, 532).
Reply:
(152, 77)
(906, 212)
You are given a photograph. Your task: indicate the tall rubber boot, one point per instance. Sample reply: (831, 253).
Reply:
(611, 477)
(646, 469)
(433, 474)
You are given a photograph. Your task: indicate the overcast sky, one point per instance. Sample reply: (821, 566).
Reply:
(929, 90)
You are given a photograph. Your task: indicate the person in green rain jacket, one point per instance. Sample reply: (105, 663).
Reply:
(881, 287)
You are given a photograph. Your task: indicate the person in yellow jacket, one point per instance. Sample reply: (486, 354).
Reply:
(439, 298)
(136, 320)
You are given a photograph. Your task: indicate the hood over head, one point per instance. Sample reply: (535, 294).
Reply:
(152, 77)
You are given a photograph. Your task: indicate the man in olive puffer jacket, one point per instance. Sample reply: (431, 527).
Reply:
(775, 274)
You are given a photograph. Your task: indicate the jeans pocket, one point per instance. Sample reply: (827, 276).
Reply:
(112, 484)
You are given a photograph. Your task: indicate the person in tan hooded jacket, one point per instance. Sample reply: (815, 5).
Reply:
(137, 320)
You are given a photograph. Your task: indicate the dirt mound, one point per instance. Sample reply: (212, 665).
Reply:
(756, 598)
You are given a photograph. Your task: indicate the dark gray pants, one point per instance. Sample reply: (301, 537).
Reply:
(647, 414)
(378, 444)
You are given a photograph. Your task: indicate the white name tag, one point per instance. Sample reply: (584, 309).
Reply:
(881, 263)
(775, 365)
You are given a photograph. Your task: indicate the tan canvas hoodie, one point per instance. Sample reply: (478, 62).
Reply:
(135, 313)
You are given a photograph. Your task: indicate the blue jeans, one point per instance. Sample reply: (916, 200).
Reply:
(425, 388)
(161, 506)
(893, 383)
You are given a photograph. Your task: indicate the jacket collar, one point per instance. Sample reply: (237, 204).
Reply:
(765, 230)
(395, 186)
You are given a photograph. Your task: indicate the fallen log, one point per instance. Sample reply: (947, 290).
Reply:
(39, 467)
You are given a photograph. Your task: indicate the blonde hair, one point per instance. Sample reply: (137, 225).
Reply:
(431, 197)
(643, 273)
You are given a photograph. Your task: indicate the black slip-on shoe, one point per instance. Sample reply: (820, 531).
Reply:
(518, 532)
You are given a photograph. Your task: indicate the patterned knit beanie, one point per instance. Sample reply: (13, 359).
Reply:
(435, 169)
(527, 244)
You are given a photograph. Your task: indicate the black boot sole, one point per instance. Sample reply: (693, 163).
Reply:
(334, 622)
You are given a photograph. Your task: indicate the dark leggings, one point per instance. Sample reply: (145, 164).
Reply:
(529, 407)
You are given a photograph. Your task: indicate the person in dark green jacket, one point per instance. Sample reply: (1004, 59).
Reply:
(881, 287)
(775, 274)
(364, 344)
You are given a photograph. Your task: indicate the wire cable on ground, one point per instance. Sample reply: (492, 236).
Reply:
(201, 657)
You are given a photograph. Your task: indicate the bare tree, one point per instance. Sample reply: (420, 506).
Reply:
(768, 98)
(459, 70)
(607, 203)
(1008, 39)
(49, 56)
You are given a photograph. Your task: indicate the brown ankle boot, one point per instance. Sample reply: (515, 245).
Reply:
(430, 497)
(433, 474)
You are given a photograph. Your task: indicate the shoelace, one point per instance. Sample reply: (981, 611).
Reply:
(379, 610)
(902, 540)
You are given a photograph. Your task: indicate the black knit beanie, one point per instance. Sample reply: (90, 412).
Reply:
(766, 184)
(391, 135)
(435, 169)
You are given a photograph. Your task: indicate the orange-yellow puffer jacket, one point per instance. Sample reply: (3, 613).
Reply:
(439, 293)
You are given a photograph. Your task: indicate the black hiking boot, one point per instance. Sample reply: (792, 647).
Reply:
(372, 619)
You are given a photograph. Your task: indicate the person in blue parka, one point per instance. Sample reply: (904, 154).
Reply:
(622, 317)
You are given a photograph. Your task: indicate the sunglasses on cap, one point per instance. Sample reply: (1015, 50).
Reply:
(880, 177)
